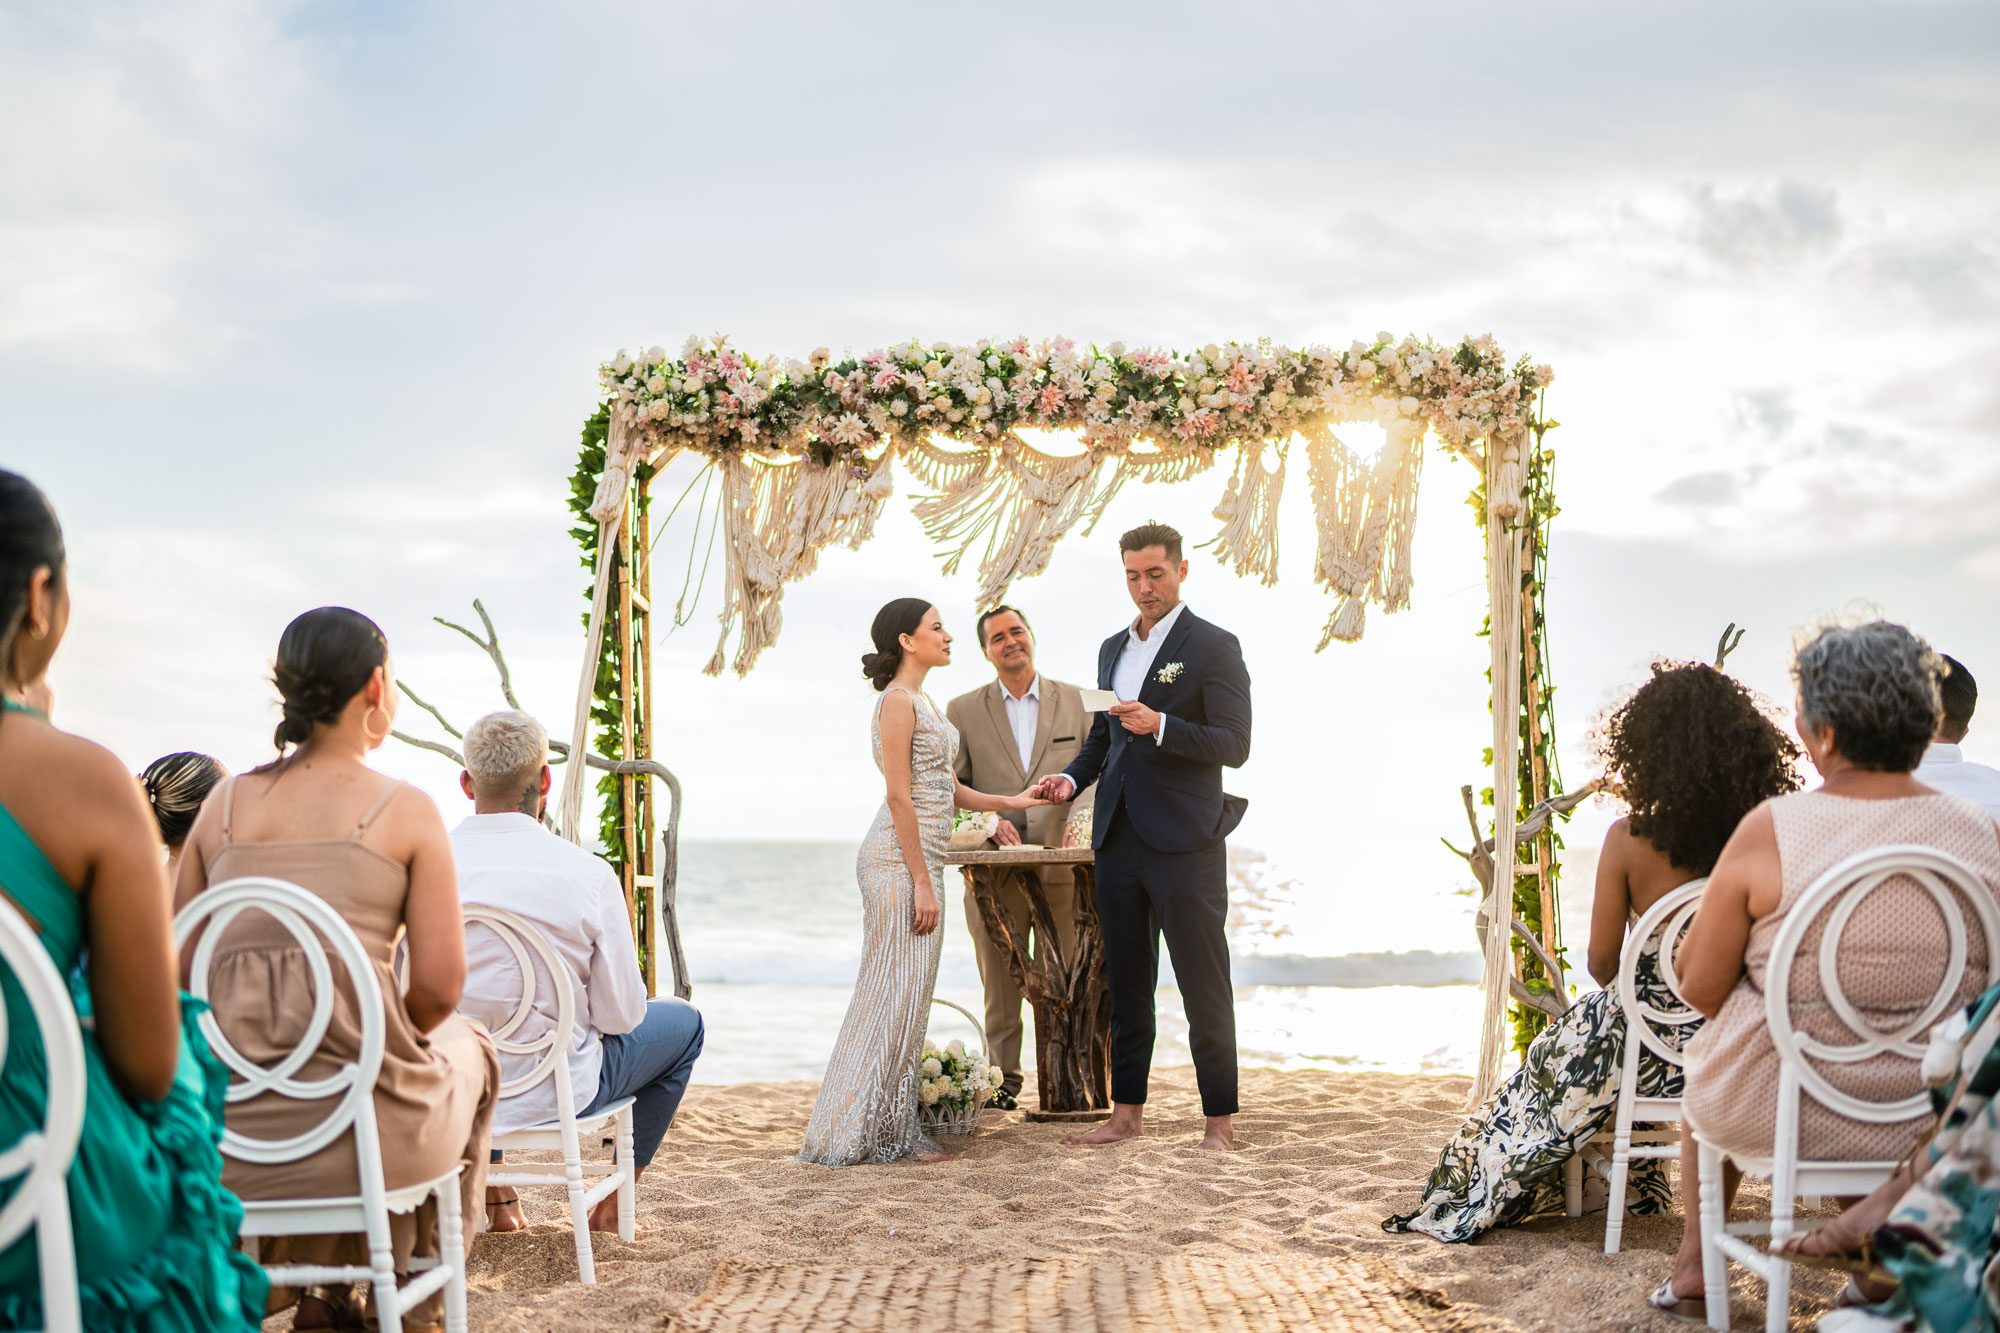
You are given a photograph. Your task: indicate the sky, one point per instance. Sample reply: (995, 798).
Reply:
(303, 304)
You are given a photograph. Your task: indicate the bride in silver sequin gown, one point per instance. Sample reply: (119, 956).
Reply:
(867, 1106)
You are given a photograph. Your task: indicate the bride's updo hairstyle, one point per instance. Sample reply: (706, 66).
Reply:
(324, 659)
(898, 618)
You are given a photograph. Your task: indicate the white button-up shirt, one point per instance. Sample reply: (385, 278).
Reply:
(511, 862)
(1023, 716)
(1136, 658)
(1946, 769)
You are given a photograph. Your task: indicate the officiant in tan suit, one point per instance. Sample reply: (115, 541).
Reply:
(1021, 727)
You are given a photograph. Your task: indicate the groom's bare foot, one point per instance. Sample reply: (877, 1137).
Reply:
(1218, 1134)
(1126, 1122)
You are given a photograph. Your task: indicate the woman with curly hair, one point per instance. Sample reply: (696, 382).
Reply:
(1691, 752)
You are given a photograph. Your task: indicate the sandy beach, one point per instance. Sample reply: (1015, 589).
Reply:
(1323, 1158)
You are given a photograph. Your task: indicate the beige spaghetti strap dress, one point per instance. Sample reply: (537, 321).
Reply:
(434, 1100)
(1892, 961)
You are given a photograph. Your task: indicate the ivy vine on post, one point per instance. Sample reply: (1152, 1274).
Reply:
(606, 712)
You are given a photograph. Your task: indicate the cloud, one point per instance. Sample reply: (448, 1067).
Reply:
(1952, 275)
(1763, 227)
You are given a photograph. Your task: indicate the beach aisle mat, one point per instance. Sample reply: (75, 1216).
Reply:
(1175, 1294)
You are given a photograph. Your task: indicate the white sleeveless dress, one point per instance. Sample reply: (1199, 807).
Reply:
(867, 1106)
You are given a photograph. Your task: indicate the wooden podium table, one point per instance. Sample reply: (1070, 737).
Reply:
(1066, 988)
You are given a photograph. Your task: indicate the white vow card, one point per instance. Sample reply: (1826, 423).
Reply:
(1096, 701)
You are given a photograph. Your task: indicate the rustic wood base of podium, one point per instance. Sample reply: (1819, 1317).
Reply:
(1068, 1117)
(1066, 987)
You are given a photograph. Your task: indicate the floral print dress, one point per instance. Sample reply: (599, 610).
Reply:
(1940, 1242)
(1505, 1164)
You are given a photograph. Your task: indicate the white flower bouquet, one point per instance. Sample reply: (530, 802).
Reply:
(952, 1085)
(971, 828)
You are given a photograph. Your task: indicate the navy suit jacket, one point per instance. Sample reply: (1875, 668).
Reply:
(1172, 791)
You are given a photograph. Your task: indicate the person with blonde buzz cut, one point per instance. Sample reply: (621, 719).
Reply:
(627, 1044)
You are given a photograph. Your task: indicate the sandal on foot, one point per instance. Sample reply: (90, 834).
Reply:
(1694, 1309)
(343, 1311)
(1855, 1257)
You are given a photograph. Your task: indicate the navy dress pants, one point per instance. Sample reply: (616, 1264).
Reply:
(1143, 894)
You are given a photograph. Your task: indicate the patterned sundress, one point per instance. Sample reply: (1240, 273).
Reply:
(1505, 1164)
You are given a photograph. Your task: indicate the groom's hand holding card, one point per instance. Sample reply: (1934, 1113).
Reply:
(1097, 701)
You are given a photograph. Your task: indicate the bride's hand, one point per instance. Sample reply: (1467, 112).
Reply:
(1028, 799)
(928, 913)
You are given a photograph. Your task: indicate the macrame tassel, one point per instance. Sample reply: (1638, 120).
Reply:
(1346, 623)
(1249, 513)
(1366, 518)
(1509, 481)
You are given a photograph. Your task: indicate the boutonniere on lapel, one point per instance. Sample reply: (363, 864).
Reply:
(1170, 673)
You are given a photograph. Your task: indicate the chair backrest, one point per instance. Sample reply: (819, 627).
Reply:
(319, 932)
(1662, 925)
(40, 1158)
(550, 1050)
(1839, 893)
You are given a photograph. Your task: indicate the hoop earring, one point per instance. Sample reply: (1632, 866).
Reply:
(373, 735)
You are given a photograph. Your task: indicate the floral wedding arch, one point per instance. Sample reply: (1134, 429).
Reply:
(804, 453)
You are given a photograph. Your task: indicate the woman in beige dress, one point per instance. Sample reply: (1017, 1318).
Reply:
(376, 851)
(1867, 707)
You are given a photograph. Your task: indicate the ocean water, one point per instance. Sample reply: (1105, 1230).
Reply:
(772, 932)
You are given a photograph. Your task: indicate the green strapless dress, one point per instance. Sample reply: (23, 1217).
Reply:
(155, 1231)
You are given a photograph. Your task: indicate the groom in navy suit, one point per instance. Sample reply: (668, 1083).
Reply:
(1157, 756)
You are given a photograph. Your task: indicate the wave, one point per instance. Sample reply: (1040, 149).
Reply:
(762, 964)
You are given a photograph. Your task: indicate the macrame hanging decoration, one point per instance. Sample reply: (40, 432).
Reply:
(1249, 513)
(1020, 500)
(778, 513)
(1365, 513)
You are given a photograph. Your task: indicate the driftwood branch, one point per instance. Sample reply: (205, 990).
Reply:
(667, 875)
(435, 747)
(1480, 858)
(1556, 1002)
(1727, 645)
(430, 708)
(490, 645)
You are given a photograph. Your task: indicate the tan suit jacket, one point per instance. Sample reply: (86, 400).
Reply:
(989, 761)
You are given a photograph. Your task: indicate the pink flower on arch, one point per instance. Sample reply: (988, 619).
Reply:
(1049, 400)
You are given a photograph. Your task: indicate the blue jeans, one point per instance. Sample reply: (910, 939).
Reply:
(650, 1064)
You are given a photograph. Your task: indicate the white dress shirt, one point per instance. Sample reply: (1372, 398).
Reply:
(511, 862)
(1023, 716)
(1135, 661)
(1946, 769)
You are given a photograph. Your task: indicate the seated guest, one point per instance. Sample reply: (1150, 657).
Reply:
(626, 1044)
(1691, 753)
(1867, 707)
(1944, 768)
(376, 851)
(1928, 1230)
(175, 786)
(154, 1230)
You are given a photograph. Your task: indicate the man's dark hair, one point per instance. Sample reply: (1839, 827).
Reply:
(1153, 534)
(1959, 693)
(979, 627)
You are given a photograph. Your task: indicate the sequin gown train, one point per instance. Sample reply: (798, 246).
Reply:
(867, 1106)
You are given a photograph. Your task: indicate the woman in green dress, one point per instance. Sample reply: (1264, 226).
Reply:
(80, 861)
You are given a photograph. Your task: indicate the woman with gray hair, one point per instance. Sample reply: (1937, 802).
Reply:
(1867, 708)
